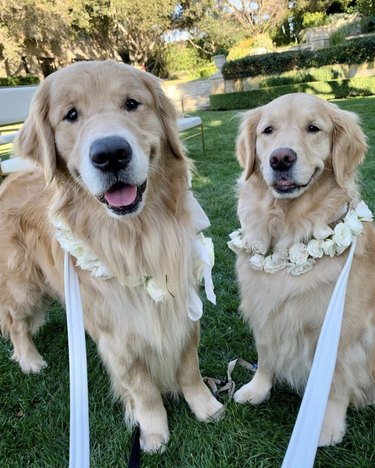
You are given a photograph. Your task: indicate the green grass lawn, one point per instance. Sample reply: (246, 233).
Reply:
(34, 410)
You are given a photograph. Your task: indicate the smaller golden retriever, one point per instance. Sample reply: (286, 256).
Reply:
(296, 197)
(111, 186)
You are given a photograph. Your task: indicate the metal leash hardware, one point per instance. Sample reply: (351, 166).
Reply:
(227, 384)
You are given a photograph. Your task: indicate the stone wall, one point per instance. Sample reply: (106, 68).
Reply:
(193, 95)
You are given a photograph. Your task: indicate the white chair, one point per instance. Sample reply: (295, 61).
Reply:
(188, 123)
(14, 107)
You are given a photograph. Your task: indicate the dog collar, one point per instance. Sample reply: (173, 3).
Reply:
(301, 257)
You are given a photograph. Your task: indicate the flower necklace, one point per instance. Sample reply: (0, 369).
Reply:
(202, 253)
(300, 258)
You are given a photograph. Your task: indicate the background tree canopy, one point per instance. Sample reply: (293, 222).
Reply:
(137, 30)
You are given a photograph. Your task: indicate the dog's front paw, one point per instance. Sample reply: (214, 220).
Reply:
(203, 404)
(332, 433)
(212, 410)
(334, 425)
(256, 391)
(33, 363)
(252, 394)
(154, 442)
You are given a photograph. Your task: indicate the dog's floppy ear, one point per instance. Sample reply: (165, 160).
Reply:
(246, 141)
(35, 140)
(167, 113)
(348, 144)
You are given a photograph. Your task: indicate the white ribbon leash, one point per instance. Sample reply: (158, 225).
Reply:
(304, 440)
(79, 453)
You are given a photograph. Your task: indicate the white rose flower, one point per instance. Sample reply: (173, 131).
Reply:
(298, 254)
(315, 248)
(275, 262)
(302, 268)
(322, 232)
(351, 220)
(157, 293)
(339, 250)
(259, 248)
(363, 212)
(238, 243)
(256, 262)
(235, 233)
(342, 235)
(328, 247)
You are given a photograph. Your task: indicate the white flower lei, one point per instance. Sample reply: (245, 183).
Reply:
(202, 253)
(300, 258)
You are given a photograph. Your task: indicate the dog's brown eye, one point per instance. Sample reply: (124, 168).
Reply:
(313, 129)
(268, 130)
(72, 115)
(132, 104)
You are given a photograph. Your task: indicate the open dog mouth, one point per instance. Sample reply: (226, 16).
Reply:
(284, 185)
(123, 199)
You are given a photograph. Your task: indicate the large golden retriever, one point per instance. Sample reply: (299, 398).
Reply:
(300, 155)
(112, 183)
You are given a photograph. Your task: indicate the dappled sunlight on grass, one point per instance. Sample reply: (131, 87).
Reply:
(201, 181)
(215, 123)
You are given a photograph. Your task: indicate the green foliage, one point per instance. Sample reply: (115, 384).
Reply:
(350, 29)
(333, 89)
(243, 47)
(19, 80)
(294, 77)
(366, 7)
(240, 49)
(317, 18)
(368, 24)
(304, 13)
(358, 50)
(337, 38)
(182, 60)
(263, 40)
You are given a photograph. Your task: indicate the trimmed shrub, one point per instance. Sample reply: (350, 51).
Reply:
(301, 76)
(333, 89)
(19, 80)
(358, 50)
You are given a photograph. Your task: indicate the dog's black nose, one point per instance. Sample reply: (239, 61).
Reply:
(110, 154)
(282, 159)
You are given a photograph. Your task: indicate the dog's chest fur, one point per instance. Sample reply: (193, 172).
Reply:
(286, 313)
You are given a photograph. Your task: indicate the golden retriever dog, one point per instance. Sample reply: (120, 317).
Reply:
(112, 176)
(299, 154)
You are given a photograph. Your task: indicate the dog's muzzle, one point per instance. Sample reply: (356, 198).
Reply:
(282, 161)
(112, 156)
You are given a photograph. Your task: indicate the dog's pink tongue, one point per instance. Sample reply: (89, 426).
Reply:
(123, 196)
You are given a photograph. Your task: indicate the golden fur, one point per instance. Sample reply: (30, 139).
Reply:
(286, 312)
(149, 347)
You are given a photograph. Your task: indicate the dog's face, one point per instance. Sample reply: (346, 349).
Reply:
(293, 139)
(107, 124)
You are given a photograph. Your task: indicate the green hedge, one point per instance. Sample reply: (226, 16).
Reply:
(19, 80)
(357, 50)
(333, 89)
(330, 72)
